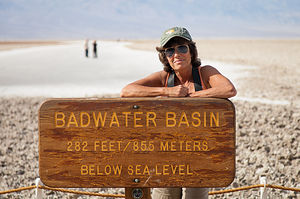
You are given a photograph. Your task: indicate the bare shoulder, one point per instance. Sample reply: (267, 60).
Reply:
(154, 79)
(212, 77)
(209, 70)
(161, 75)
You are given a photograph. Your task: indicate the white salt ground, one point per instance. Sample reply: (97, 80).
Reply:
(64, 71)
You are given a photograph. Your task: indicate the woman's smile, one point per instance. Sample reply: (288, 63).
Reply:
(178, 61)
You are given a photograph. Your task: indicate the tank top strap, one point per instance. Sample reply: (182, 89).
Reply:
(203, 85)
(197, 77)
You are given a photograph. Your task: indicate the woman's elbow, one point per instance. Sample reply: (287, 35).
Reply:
(124, 92)
(231, 91)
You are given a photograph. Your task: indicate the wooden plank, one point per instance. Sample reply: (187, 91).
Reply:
(137, 142)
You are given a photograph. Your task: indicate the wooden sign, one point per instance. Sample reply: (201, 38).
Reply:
(137, 142)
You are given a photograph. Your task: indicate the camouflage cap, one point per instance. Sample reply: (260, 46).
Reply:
(174, 32)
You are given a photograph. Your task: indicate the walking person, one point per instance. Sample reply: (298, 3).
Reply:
(86, 48)
(182, 76)
(95, 49)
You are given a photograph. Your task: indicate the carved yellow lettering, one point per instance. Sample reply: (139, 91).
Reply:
(197, 146)
(188, 146)
(112, 146)
(114, 120)
(92, 170)
(166, 170)
(156, 170)
(84, 170)
(173, 169)
(204, 145)
(130, 169)
(104, 146)
(181, 170)
(117, 169)
(119, 145)
(173, 146)
(72, 120)
(215, 118)
(164, 146)
(82, 114)
(99, 172)
(180, 144)
(196, 116)
(107, 169)
(99, 117)
(148, 118)
(126, 117)
(170, 116)
(136, 118)
(61, 119)
(204, 119)
(183, 120)
(138, 169)
(96, 145)
(146, 171)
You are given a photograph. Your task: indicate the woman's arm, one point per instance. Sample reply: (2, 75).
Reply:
(217, 84)
(152, 86)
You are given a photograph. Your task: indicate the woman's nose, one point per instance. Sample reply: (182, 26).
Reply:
(176, 53)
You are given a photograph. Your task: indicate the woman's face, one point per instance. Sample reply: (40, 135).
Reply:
(180, 59)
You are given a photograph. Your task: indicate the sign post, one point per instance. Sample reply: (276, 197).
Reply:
(137, 142)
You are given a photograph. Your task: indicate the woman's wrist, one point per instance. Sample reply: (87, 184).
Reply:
(165, 91)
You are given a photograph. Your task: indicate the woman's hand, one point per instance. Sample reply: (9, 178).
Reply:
(178, 91)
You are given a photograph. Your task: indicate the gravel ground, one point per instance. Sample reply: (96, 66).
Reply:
(267, 142)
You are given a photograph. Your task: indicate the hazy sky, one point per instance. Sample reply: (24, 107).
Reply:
(147, 19)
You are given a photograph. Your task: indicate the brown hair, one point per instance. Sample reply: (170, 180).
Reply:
(178, 40)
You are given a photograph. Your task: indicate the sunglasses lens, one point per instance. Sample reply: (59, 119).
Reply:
(169, 52)
(182, 49)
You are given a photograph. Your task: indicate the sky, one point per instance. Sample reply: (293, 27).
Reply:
(147, 19)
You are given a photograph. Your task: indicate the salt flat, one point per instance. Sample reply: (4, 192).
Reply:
(64, 71)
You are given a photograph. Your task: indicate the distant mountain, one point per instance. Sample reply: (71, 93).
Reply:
(141, 19)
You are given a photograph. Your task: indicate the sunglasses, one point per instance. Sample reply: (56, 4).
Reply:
(180, 49)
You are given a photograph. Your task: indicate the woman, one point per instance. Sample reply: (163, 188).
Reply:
(178, 53)
(183, 76)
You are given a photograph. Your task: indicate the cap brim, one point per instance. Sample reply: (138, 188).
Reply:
(167, 40)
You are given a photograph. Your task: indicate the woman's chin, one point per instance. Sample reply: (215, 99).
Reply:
(180, 66)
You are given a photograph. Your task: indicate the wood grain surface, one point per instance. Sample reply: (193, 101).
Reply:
(137, 142)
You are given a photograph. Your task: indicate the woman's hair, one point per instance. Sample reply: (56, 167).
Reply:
(178, 41)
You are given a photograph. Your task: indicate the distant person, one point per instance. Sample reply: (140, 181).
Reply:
(95, 48)
(86, 48)
(182, 76)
